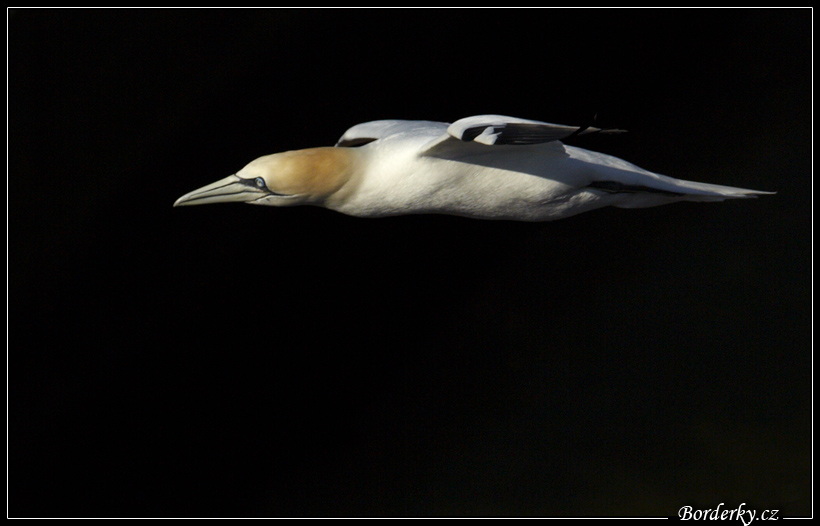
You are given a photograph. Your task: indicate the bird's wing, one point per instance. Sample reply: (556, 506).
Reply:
(500, 130)
(466, 137)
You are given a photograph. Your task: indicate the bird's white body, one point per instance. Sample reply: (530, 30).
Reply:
(487, 167)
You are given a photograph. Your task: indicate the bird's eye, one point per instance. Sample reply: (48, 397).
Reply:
(260, 183)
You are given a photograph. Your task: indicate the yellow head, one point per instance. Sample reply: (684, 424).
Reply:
(282, 179)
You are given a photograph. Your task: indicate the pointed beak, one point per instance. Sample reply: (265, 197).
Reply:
(232, 189)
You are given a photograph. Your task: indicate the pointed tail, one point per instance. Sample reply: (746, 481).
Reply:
(659, 190)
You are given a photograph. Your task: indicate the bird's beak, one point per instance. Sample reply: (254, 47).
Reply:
(232, 189)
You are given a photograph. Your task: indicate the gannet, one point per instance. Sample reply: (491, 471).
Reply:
(484, 167)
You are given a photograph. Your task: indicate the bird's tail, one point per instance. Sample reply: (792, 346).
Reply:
(662, 192)
(642, 188)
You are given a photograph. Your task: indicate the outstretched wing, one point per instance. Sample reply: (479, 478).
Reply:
(468, 136)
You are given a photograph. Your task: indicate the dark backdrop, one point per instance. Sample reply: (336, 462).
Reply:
(233, 360)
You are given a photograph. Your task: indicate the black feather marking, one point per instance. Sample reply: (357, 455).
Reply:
(525, 133)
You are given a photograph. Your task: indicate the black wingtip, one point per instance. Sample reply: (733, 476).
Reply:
(611, 130)
(589, 128)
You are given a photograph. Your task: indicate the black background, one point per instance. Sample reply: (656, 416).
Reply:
(234, 360)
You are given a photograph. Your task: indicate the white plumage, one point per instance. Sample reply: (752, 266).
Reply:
(487, 167)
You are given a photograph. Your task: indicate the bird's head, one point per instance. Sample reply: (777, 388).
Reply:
(283, 179)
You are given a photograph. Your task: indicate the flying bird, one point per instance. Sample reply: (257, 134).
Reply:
(484, 167)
